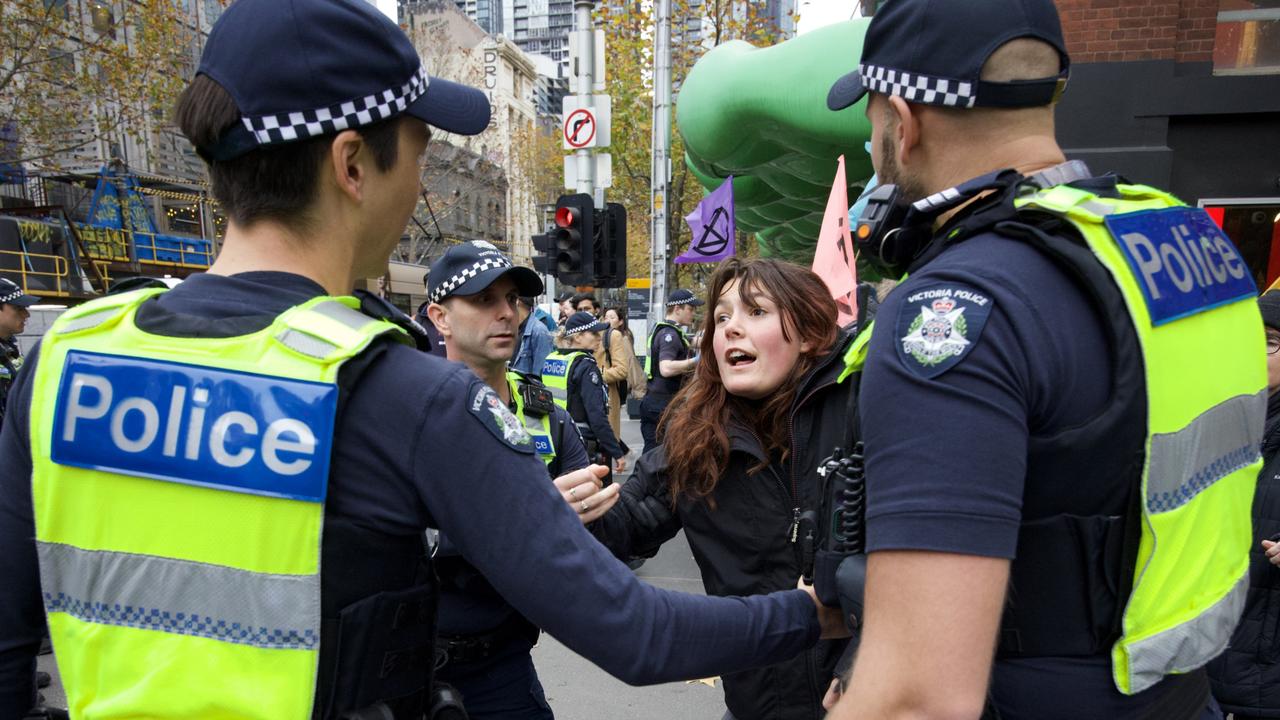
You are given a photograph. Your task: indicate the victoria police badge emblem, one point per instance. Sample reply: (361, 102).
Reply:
(498, 419)
(938, 325)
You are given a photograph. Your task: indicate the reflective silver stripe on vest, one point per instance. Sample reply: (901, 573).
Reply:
(181, 597)
(91, 320)
(1189, 645)
(335, 310)
(1223, 439)
(307, 344)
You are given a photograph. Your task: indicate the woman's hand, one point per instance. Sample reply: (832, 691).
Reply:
(1272, 550)
(581, 489)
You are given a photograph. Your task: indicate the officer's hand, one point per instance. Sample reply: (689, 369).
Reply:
(581, 489)
(1272, 551)
(620, 465)
(831, 620)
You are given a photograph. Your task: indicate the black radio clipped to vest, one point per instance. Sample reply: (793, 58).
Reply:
(837, 564)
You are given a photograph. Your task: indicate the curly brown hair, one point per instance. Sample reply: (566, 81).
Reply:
(694, 424)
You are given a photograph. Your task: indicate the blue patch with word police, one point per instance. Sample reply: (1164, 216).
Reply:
(938, 325)
(222, 429)
(497, 418)
(1182, 261)
(553, 366)
(542, 444)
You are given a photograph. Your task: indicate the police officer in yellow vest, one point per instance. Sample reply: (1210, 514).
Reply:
(1061, 404)
(485, 643)
(669, 359)
(217, 494)
(573, 377)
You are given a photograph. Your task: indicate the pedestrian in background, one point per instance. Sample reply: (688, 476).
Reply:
(565, 302)
(533, 341)
(1246, 677)
(744, 440)
(587, 303)
(615, 358)
(13, 321)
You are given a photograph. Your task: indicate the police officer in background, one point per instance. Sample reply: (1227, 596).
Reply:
(1061, 405)
(484, 642)
(435, 341)
(668, 362)
(13, 320)
(220, 491)
(575, 381)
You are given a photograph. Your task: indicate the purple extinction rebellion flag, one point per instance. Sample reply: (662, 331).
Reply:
(712, 226)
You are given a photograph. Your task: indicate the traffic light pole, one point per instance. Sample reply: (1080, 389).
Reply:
(661, 173)
(585, 28)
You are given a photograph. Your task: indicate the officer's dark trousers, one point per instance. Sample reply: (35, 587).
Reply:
(651, 408)
(502, 686)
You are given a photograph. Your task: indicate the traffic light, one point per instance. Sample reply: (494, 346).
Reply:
(569, 245)
(611, 247)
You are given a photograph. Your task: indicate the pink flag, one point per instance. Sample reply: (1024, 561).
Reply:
(833, 260)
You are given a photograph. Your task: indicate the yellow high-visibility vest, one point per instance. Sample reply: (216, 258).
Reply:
(179, 488)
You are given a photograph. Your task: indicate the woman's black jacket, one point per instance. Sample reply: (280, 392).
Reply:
(744, 545)
(1246, 677)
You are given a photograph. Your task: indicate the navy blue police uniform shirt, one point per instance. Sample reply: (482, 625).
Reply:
(589, 404)
(396, 466)
(988, 345)
(669, 344)
(468, 603)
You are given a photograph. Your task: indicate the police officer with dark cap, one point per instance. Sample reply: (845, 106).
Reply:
(575, 381)
(1060, 406)
(217, 494)
(13, 320)
(669, 361)
(435, 341)
(484, 642)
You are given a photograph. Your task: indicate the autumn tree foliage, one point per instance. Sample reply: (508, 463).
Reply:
(77, 72)
(629, 27)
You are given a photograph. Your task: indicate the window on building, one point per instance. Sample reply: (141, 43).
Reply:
(1254, 226)
(212, 11)
(103, 19)
(1247, 40)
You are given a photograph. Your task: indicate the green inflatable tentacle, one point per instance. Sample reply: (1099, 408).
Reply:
(761, 115)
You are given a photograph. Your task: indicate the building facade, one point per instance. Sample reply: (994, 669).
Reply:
(1183, 95)
(475, 185)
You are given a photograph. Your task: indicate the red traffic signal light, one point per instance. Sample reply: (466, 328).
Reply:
(565, 217)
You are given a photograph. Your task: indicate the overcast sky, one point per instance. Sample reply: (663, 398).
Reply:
(813, 13)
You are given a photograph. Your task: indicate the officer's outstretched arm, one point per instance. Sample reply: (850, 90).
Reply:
(496, 505)
(929, 636)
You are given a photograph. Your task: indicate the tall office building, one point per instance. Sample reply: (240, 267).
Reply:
(485, 13)
(541, 27)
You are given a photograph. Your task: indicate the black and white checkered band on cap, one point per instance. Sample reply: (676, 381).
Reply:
(286, 127)
(455, 281)
(917, 88)
(11, 295)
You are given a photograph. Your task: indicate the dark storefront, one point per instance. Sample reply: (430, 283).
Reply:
(1183, 95)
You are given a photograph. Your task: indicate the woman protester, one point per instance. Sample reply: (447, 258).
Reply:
(1246, 676)
(744, 440)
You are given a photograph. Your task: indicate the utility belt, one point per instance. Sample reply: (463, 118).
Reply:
(455, 649)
